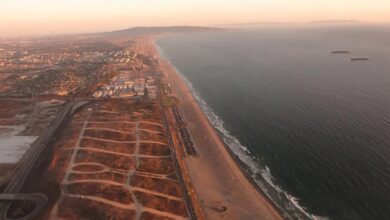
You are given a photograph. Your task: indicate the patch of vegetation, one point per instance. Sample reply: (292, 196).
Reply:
(170, 101)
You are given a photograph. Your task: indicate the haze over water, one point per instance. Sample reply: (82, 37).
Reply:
(318, 122)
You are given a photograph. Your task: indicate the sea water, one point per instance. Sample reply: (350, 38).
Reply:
(314, 127)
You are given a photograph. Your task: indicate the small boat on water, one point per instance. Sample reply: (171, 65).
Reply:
(340, 51)
(359, 58)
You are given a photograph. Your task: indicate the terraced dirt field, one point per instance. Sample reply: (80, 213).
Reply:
(113, 161)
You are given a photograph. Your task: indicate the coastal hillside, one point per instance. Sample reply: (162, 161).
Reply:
(158, 30)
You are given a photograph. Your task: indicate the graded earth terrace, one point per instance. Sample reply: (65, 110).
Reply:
(114, 160)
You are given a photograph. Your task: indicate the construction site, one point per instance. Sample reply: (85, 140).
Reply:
(113, 161)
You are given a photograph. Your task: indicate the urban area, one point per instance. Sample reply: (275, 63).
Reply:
(88, 131)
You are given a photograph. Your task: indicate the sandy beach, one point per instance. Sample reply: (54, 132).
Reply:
(215, 176)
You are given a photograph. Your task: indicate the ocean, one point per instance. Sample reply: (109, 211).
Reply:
(313, 127)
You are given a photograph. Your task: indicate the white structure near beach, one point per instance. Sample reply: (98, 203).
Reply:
(13, 147)
(124, 87)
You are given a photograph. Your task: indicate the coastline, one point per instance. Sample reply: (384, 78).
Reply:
(219, 176)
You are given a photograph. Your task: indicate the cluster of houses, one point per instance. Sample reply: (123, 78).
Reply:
(9, 57)
(123, 87)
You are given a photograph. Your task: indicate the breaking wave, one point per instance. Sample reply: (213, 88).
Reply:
(285, 202)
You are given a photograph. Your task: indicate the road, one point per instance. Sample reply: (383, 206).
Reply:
(28, 160)
(40, 201)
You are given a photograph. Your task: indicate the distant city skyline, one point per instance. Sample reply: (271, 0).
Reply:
(41, 17)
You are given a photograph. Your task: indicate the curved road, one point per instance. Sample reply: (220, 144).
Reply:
(39, 199)
(23, 169)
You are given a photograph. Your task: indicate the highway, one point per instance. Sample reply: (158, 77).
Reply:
(26, 164)
(40, 201)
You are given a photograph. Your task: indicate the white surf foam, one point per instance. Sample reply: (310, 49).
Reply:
(244, 155)
(242, 152)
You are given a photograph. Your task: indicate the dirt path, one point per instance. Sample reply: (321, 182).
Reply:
(108, 122)
(109, 129)
(128, 187)
(124, 132)
(135, 205)
(136, 155)
(150, 131)
(128, 206)
(123, 122)
(157, 176)
(126, 142)
(152, 123)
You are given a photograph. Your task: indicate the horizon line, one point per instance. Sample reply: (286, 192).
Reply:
(332, 21)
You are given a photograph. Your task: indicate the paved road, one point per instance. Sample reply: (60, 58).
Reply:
(40, 201)
(28, 160)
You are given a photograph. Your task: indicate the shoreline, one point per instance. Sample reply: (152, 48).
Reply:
(261, 205)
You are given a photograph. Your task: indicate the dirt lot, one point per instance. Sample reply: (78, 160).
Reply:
(113, 162)
(14, 112)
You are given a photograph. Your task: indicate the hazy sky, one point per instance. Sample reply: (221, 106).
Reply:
(25, 17)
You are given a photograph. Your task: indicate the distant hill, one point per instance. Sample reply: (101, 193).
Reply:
(159, 30)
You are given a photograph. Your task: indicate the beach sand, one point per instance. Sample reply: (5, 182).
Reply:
(215, 176)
